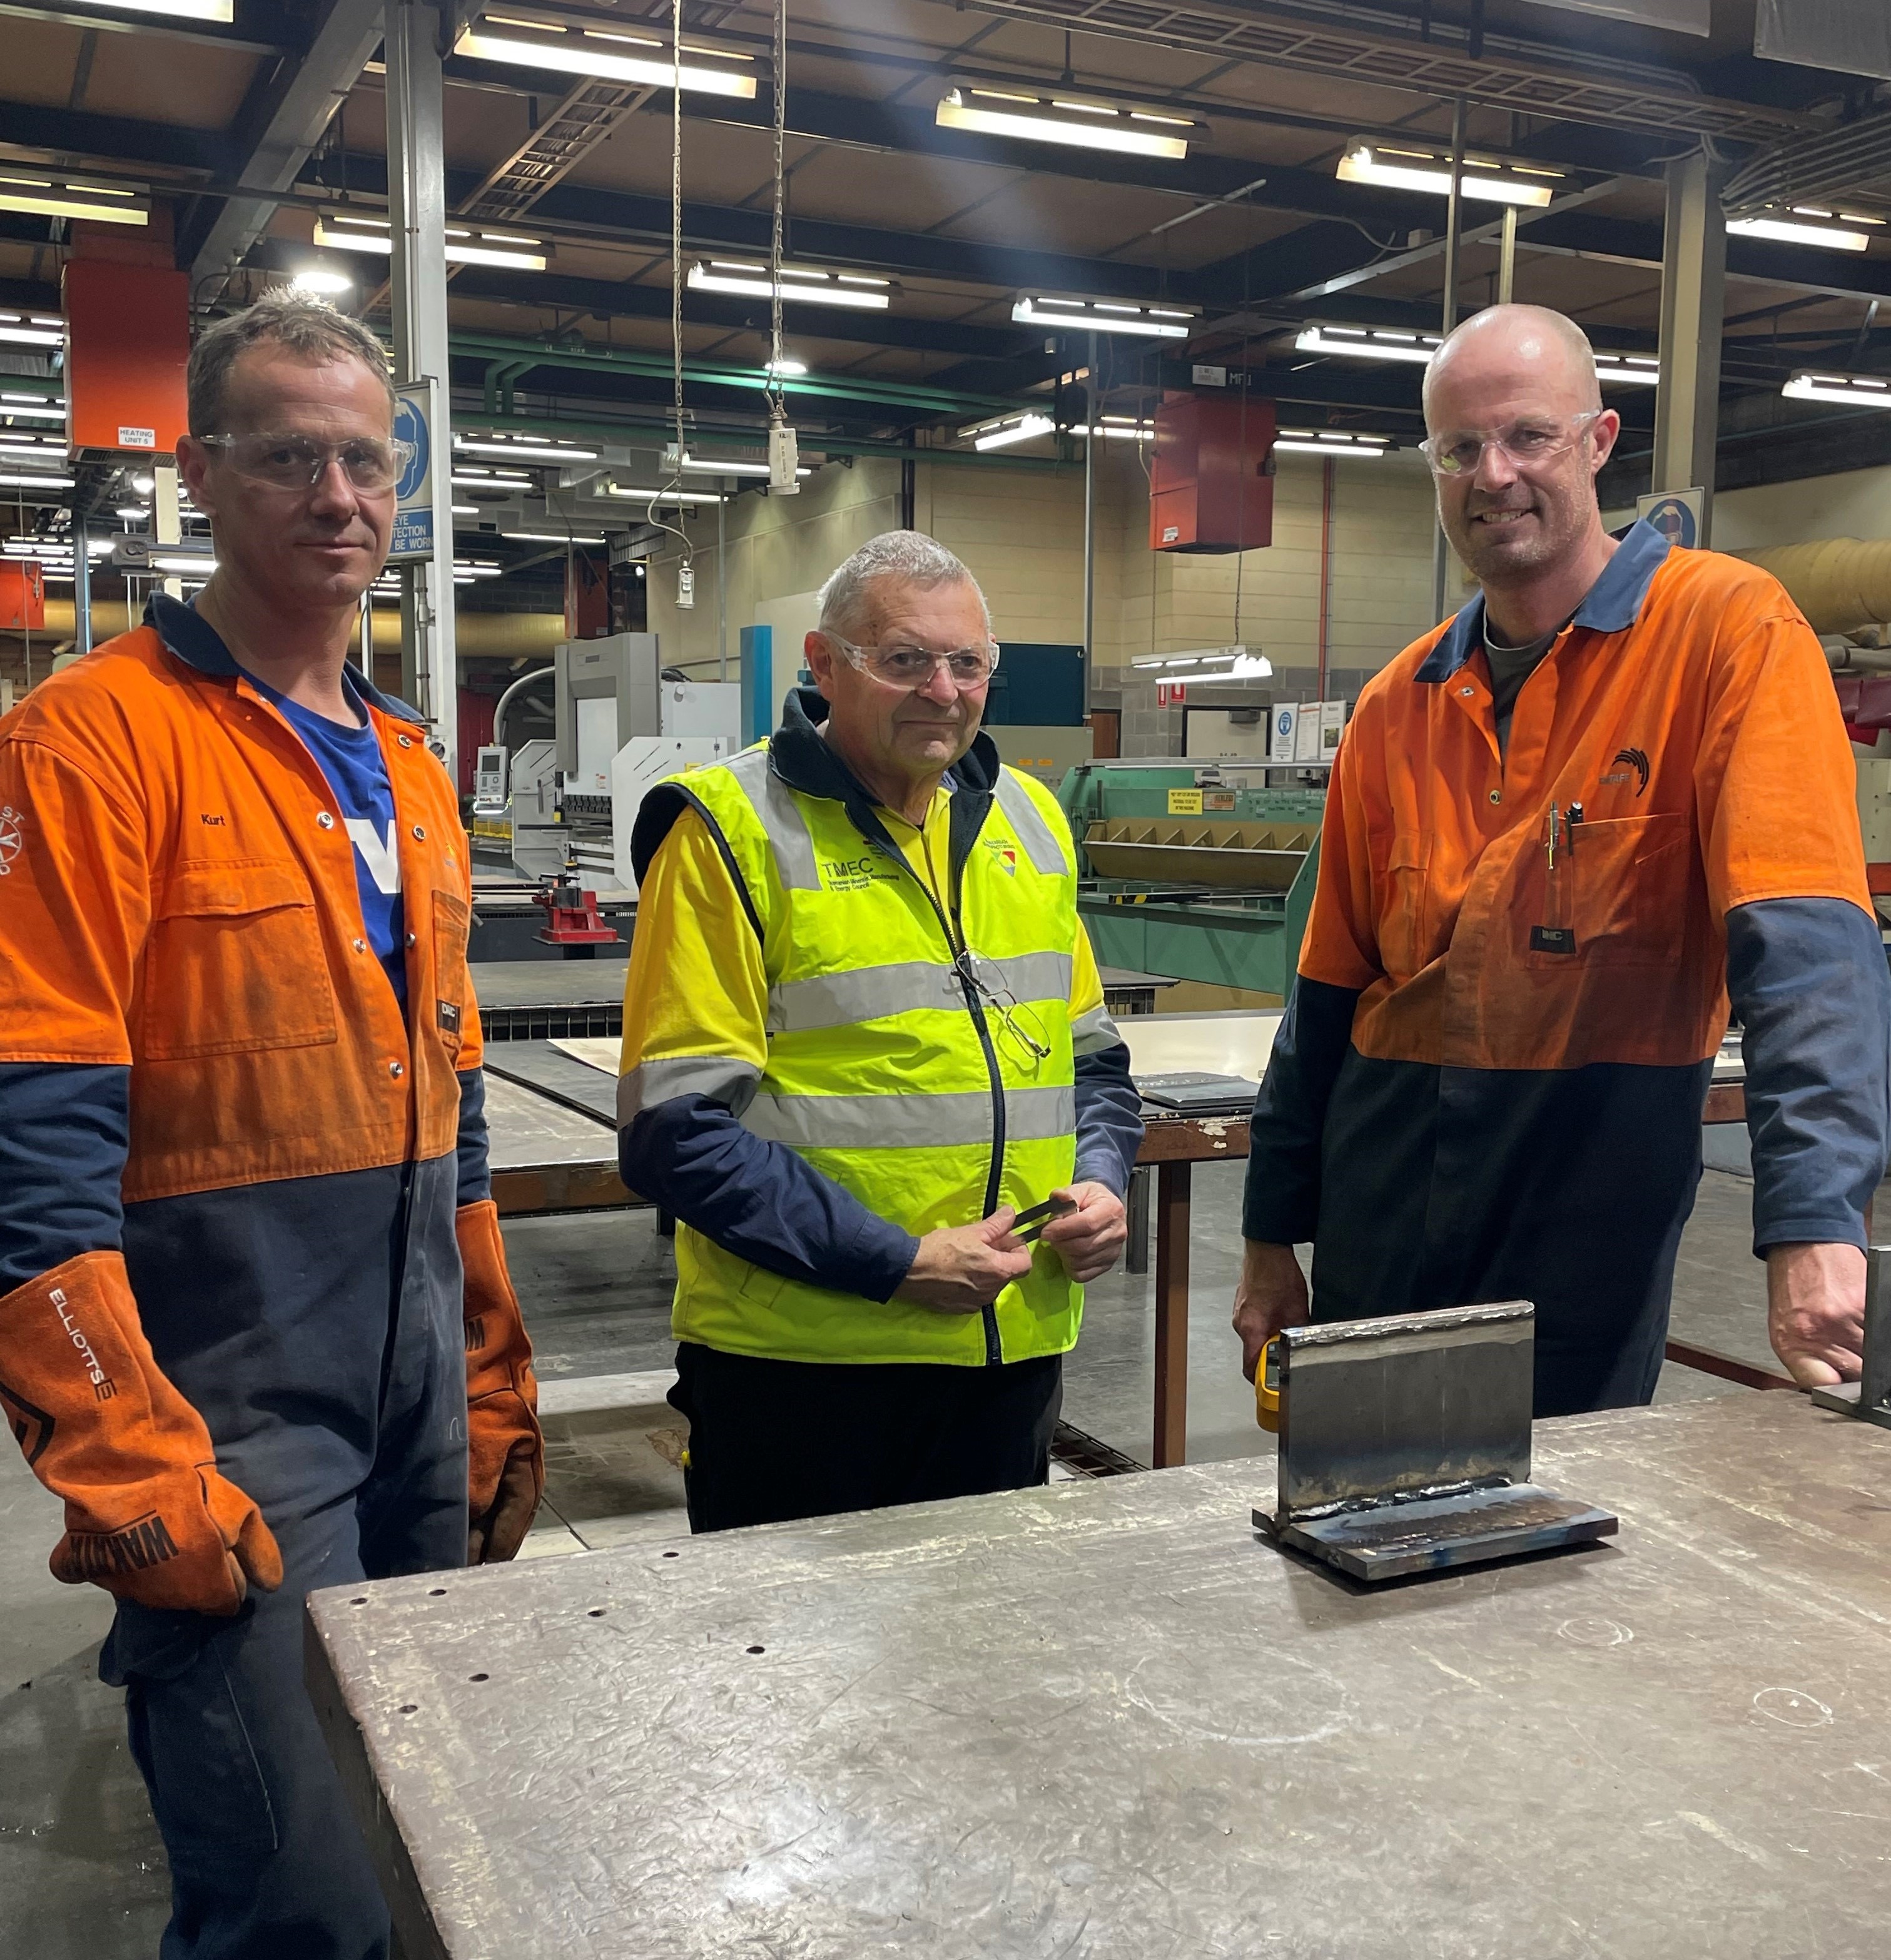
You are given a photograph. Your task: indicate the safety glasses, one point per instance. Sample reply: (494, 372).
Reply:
(370, 463)
(1534, 439)
(902, 665)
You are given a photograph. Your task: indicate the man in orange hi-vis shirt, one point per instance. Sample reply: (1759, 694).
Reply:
(256, 1325)
(1563, 830)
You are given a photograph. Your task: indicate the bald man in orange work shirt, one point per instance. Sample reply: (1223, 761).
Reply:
(1565, 831)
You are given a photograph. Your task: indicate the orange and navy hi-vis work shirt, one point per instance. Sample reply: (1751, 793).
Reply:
(1489, 1083)
(203, 1061)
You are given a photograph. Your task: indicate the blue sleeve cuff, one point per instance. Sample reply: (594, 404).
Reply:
(760, 1201)
(1109, 1119)
(65, 1129)
(1810, 987)
(1281, 1205)
(475, 1170)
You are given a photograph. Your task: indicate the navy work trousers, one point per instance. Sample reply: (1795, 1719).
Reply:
(329, 1365)
(772, 1440)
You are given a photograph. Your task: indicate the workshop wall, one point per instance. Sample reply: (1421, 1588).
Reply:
(1021, 532)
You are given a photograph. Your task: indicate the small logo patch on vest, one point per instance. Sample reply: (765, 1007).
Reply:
(1005, 855)
(854, 874)
(447, 1012)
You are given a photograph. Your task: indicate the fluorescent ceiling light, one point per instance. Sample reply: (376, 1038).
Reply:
(785, 367)
(32, 414)
(1368, 343)
(1105, 316)
(319, 280)
(56, 199)
(176, 10)
(36, 329)
(665, 496)
(1857, 391)
(718, 275)
(579, 54)
(1332, 442)
(1122, 427)
(1795, 231)
(993, 112)
(473, 249)
(1418, 169)
(1001, 431)
(507, 480)
(1640, 370)
(525, 452)
(464, 509)
(552, 537)
(52, 452)
(131, 514)
(194, 564)
(1236, 663)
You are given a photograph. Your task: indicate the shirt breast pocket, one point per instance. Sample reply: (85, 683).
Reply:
(1628, 881)
(235, 963)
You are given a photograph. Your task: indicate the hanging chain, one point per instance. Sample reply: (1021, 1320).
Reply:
(777, 411)
(676, 220)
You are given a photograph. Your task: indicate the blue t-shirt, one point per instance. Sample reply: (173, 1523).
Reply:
(357, 772)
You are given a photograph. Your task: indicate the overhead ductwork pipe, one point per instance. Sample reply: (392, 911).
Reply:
(1839, 584)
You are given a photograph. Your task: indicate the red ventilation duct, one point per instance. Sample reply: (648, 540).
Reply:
(1211, 478)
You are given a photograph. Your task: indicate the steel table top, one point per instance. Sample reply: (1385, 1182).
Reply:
(1102, 1722)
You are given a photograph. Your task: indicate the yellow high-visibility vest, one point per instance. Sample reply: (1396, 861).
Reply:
(919, 1054)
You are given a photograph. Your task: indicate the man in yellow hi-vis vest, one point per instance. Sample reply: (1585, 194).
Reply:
(863, 1032)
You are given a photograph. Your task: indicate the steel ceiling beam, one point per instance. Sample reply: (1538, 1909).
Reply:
(281, 126)
(1523, 77)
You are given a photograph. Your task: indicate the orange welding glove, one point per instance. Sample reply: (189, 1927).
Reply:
(505, 1451)
(147, 1515)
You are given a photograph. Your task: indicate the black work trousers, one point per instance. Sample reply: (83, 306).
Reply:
(772, 1440)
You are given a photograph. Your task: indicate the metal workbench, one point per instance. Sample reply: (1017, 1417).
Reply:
(1102, 1722)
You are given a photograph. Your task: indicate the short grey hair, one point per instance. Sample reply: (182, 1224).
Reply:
(306, 327)
(906, 557)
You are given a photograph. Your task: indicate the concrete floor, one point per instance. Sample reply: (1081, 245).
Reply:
(82, 1874)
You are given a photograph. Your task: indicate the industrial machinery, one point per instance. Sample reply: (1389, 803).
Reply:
(624, 722)
(1196, 869)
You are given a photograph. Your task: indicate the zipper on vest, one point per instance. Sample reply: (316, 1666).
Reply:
(954, 928)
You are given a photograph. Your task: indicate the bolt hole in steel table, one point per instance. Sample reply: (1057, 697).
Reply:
(1102, 1722)
(552, 1121)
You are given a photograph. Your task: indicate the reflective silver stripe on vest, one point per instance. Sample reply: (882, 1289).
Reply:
(781, 818)
(868, 993)
(721, 1078)
(1092, 1033)
(903, 987)
(909, 1122)
(1029, 976)
(1040, 845)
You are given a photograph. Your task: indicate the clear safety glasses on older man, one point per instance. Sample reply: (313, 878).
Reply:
(1533, 439)
(901, 664)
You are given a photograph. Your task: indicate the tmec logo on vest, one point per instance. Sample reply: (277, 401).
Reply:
(852, 874)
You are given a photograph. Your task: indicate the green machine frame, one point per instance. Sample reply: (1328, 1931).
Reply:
(1219, 928)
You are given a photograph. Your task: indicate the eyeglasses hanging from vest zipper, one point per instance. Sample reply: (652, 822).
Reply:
(1017, 1019)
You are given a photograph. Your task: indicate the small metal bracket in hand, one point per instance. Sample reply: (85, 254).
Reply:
(1870, 1396)
(1405, 1444)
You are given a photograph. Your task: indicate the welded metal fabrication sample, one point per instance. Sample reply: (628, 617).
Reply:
(1405, 1445)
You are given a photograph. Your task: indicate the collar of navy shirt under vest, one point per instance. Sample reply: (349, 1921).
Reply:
(194, 640)
(801, 756)
(1613, 604)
